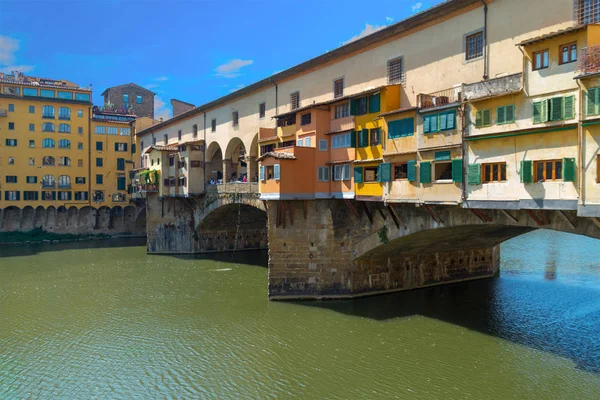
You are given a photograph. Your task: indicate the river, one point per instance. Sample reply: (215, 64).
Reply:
(105, 320)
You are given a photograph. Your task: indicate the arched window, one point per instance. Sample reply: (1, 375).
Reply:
(64, 161)
(64, 144)
(64, 113)
(48, 112)
(64, 181)
(48, 181)
(47, 127)
(48, 143)
(48, 160)
(64, 128)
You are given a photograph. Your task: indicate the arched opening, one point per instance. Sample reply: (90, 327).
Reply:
(28, 218)
(235, 162)
(12, 219)
(214, 162)
(252, 163)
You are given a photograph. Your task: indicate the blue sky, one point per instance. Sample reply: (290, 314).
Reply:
(194, 51)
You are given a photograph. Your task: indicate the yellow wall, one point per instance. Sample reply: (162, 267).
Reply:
(439, 192)
(591, 151)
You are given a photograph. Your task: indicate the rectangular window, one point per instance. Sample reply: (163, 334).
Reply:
(99, 179)
(401, 171)
(98, 146)
(442, 171)
(213, 125)
(342, 110)
(360, 106)
(568, 53)
(493, 172)
(80, 180)
(370, 174)
(125, 98)
(322, 145)
(11, 142)
(305, 119)
(12, 90)
(323, 174)
(11, 179)
(338, 88)
(65, 95)
(113, 130)
(179, 135)
(474, 46)
(505, 115)
(235, 118)
(541, 60)
(30, 195)
(30, 92)
(549, 170)
(31, 161)
(295, 100)
(262, 109)
(32, 127)
(395, 71)
(166, 138)
(120, 164)
(11, 126)
(171, 161)
(31, 109)
(11, 195)
(120, 146)
(98, 161)
(401, 128)
(125, 131)
(11, 108)
(138, 99)
(64, 195)
(340, 141)
(439, 122)
(47, 93)
(79, 145)
(82, 96)
(483, 118)
(194, 131)
(80, 162)
(80, 130)
(375, 137)
(31, 143)
(81, 195)
(101, 130)
(80, 113)
(31, 179)
(341, 172)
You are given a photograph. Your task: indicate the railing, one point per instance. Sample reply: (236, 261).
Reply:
(233, 187)
(441, 98)
(148, 188)
(342, 124)
(64, 186)
(46, 185)
(589, 60)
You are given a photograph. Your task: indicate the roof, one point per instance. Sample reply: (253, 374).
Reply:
(340, 131)
(34, 81)
(182, 102)
(398, 111)
(278, 155)
(127, 84)
(550, 35)
(423, 18)
(162, 148)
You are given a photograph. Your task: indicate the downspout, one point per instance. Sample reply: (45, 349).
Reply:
(485, 41)
(90, 115)
(276, 100)
(204, 153)
(580, 186)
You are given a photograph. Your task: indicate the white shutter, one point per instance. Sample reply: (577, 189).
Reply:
(262, 173)
(276, 172)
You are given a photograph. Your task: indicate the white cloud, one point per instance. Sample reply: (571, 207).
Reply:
(161, 110)
(417, 7)
(8, 59)
(231, 69)
(238, 87)
(389, 19)
(151, 85)
(369, 29)
(162, 78)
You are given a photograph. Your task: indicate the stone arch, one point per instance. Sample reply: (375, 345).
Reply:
(252, 164)
(140, 221)
(73, 217)
(103, 218)
(116, 218)
(214, 162)
(51, 217)
(40, 217)
(235, 159)
(129, 214)
(28, 218)
(87, 217)
(12, 219)
(61, 217)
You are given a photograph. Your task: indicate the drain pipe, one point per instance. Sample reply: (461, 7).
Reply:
(276, 100)
(204, 153)
(485, 41)
(580, 186)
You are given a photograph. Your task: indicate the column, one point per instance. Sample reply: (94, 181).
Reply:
(251, 167)
(227, 170)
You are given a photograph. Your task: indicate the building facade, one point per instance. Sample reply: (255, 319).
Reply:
(131, 99)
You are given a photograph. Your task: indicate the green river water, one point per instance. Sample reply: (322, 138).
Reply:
(104, 320)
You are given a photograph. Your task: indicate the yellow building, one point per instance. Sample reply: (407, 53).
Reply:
(44, 149)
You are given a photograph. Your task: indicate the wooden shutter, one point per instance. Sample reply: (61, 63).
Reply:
(353, 106)
(457, 175)
(116, 146)
(569, 107)
(557, 109)
(409, 127)
(125, 146)
(374, 103)
(487, 117)
(364, 138)
(473, 174)
(537, 112)
(353, 139)
(411, 170)
(426, 124)
(425, 172)
(133, 148)
(262, 172)
(451, 120)
(510, 114)
(395, 129)
(120, 164)
(358, 174)
(53, 195)
(385, 172)
(433, 123)
(276, 172)
(545, 110)
(479, 119)
(501, 115)
(593, 102)
(442, 155)
(19, 195)
(526, 171)
(569, 169)
(443, 122)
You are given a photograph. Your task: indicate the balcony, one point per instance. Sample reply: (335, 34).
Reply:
(3, 112)
(285, 131)
(589, 61)
(493, 87)
(266, 134)
(148, 188)
(440, 98)
(64, 186)
(48, 185)
(233, 187)
(342, 124)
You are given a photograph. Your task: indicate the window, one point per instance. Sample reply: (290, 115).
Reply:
(125, 101)
(99, 179)
(181, 181)
(81, 195)
(401, 128)
(340, 141)
(262, 109)
(64, 128)
(12, 90)
(31, 127)
(48, 161)
(370, 174)
(305, 119)
(125, 131)
(439, 122)
(99, 161)
(31, 143)
(31, 109)
(194, 131)
(98, 146)
(120, 164)
(342, 110)
(295, 100)
(47, 112)
(540, 60)
(401, 171)
(363, 138)
(64, 181)
(338, 88)
(82, 96)
(395, 71)
(375, 136)
(483, 118)
(31, 179)
(11, 142)
(80, 130)
(46, 93)
(554, 109)
(358, 106)
(80, 180)
(11, 179)
(113, 130)
(474, 46)
(101, 130)
(64, 144)
(587, 11)
(323, 174)
(505, 115)
(11, 161)
(11, 108)
(48, 181)
(550, 170)
(171, 161)
(30, 92)
(79, 145)
(48, 143)
(64, 113)
(98, 196)
(29, 195)
(341, 172)
(442, 170)
(179, 135)
(153, 141)
(120, 146)
(235, 117)
(64, 195)
(568, 53)
(80, 162)
(121, 183)
(64, 161)
(138, 99)
(213, 125)
(322, 145)
(11, 126)
(493, 172)
(11, 195)
(80, 113)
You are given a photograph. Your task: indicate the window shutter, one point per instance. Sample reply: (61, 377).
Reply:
(569, 107)
(473, 174)
(394, 129)
(487, 117)
(262, 172)
(374, 103)
(501, 115)
(443, 122)
(425, 172)
(510, 114)
(326, 173)
(526, 171)
(19, 195)
(411, 172)
(409, 127)
(556, 109)
(120, 183)
(125, 146)
(116, 146)
(433, 122)
(120, 164)
(166, 182)
(457, 170)
(36, 195)
(450, 121)
(364, 138)
(276, 169)
(353, 139)
(479, 119)
(69, 196)
(426, 124)
(133, 148)
(346, 172)
(591, 107)
(353, 106)
(385, 172)
(53, 195)
(358, 174)
(537, 112)
(442, 155)
(544, 115)
(569, 169)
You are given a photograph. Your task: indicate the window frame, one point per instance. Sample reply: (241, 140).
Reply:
(477, 53)
(344, 110)
(485, 178)
(392, 80)
(306, 119)
(399, 164)
(213, 125)
(535, 67)
(569, 52)
(545, 162)
(434, 174)
(364, 174)
(262, 109)
(339, 94)
(235, 118)
(295, 100)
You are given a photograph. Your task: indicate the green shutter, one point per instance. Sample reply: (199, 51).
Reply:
(473, 174)
(411, 170)
(125, 146)
(120, 164)
(537, 112)
(36, 195)
(364, 138)
(353, 139)
(451, 120)
(426, 124)
(425, 172)
(385, 172)
(442, 155)
(487, 117)
(479, 119)
(526, 171)
(593, 102)
(557, 109)
(443, 121)
(568, 169)
(457, 175)
(374, 103)
(262, 172)
(394, 129)
(358, 174)
(353, 106)
(70, 195)
(569, 107)
(433, 122)
(501, 115)
(121, 183)
(53, 195)
(133, 148)
(510, 114)
(116, 146)
(545, 110)
(408, 128)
